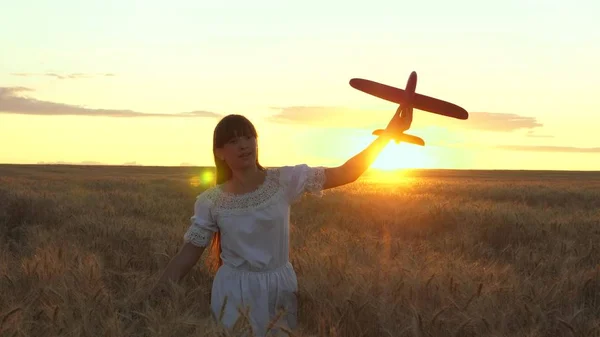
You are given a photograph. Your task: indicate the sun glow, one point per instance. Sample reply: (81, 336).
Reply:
(403, 156)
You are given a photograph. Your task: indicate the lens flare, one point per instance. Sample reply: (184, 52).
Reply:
(205, 178)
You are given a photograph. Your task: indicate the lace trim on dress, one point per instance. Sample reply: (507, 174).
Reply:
(198, 236)
(315, 180)
(230, 202)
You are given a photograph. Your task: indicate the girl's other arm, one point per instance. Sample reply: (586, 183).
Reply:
(182, 263)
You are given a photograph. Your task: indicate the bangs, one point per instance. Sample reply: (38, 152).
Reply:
(233, 126)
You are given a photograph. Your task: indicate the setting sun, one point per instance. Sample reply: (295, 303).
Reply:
(401, 156)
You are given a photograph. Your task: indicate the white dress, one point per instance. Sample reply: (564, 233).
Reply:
(254, 228)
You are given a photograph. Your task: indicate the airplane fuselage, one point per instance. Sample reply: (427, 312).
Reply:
(406, 109)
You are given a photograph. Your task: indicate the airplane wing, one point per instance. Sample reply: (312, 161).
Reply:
(440, 107)
(421, 102)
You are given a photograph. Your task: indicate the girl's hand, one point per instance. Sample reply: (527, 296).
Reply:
(158, 292)
(397, 125)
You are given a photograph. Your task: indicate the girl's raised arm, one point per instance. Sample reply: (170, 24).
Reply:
(352, 169)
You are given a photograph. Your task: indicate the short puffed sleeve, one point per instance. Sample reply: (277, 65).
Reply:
(301, 179)
(203, 226)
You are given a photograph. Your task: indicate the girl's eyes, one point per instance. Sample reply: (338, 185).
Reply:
(235, 140)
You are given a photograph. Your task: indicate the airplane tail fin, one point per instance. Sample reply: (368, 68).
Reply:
(403, 137)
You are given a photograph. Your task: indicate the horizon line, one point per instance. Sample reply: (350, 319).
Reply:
(276, 166)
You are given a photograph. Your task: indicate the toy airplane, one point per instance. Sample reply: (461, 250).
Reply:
(407, 100)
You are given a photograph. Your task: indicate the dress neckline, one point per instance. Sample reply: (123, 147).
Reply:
(246, 194)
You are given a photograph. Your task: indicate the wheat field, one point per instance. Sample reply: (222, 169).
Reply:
(435, 253)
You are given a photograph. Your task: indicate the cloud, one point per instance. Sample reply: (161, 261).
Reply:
(70, 76)
(500, 122)
(542, 148)
(330, 116)
(12, 102)
(530, 134)
(12, 90)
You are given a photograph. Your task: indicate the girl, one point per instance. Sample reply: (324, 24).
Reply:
(245, 220)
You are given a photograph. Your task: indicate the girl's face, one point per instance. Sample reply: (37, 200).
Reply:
(239, 152)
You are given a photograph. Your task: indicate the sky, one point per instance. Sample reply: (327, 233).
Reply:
(146, 82)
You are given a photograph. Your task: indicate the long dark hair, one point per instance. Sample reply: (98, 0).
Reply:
(228, 127)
